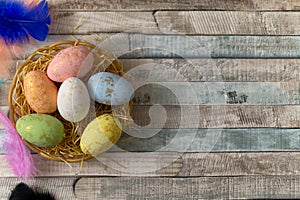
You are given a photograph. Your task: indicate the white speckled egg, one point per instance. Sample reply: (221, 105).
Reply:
(73, 100)
(110, 89)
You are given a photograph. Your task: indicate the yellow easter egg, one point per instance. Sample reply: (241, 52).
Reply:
(100, 134)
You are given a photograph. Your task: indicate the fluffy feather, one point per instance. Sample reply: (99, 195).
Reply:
(19, 21)
(18, 155)
(24, 192)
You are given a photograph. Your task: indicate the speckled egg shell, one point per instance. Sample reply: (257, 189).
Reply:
(110, 89)
(74, 61)
(40, 92)
(40, 129)
(73, 100)
(100, 134)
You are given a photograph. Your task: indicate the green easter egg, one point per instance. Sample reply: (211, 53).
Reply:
(40, 129)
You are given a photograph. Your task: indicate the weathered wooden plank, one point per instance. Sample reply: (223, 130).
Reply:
(208, 93)
(178, 22)
(87, 22)
(152, 5)
(4, 92)
(206, 116)
(262, 163)
(154, 164)
(61, 187)
(171, 164)
(216, 116)
(264, 187)
(207, 70)
(178, 46)
(229, 22)
(211, 188)
(245, 187)
(152, 188)
(195, 140)
(215, 93)
(210, 70)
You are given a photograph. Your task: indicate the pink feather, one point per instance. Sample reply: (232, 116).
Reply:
(18, 155)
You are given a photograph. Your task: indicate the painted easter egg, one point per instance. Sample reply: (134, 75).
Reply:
(40, 129)
(100, 134)
(74, 61)
(40, 92)
(73, 100)
(110, 89)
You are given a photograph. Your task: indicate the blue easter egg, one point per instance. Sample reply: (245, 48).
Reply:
(110, 89)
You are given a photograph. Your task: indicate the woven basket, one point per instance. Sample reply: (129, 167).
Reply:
(68, 150)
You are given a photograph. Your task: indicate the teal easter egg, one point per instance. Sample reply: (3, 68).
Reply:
(40, 129)
(110, 89)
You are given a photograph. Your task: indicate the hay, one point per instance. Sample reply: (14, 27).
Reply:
(68, 150)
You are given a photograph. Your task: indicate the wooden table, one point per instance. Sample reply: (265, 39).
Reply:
(227, 76)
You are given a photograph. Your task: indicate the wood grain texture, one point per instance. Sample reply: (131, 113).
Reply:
(210, 70)
(171, 164)
(216, 93)
(205, 116)
(229, 22)
(194, 140)
(245, 187)
(220, 140)
(154, 164)
(178, 22)
(224, 140)
(206, 93)
(152, 188)
(267, 187)
(61, 188)
(178, 46)
(126, 45)
(4, 91)
(89, 22)
(152, 5)
(213, 70)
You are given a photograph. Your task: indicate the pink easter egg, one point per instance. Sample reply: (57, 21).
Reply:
(74, 61)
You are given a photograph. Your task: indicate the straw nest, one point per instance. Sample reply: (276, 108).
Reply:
(68, 150)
